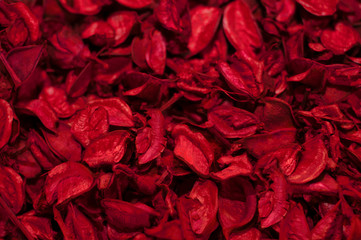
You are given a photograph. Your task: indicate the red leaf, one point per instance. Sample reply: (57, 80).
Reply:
(66, 181)
(204, 22)
(341, 39)
(119, 112)
(238, 21)
(6, 121)
(135, 3)
(168, 15)
(107, 149)
(233, 122)
(155, 54)
(193, 149)
(24, 69)
(318, 8)
(12, 189)
(312, 162)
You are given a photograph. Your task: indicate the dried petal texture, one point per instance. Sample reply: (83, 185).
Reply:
(355, 232)
(66, 181)
(204, 22)
(24, 69)
(119, 113)
(88, 124)
(239, 78)
(100, 33)
(86, 7)
(203, 216)
(326, 185)
(330, 226)
(6, 121)
(319, 8)
(260, 144)
(151, 142)
(57, 99)
(236, 208)
(168, 15)
(232, 167)
(252, 233)
(275, 114)
(340, 39)
(126, 216)
(107, 149)
(169, 230)
(67, 49)
(312, 162)
(30, 19)
(12, 188)
(156, 52)
(295, 226)
(42, 110)
(38, 227)
(79, 225)
(193, 149)
(63, 144)
(279, 203)
(233, 122)
(240, 27)
(135, 3)
(122, 23)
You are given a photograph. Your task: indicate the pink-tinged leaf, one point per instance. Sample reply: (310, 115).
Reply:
(312, 162)
(239, 78)
(169, 230)
(6, 122)
(119, 113)
(319, 8)
(340, 39)
(88, 124)
(233, 122)
(63, 144)
(279, 204)
(122, 23)
(16, 56)
(153, 138)
(275, 114)
(126, 216)
(204, 21)
(236, 208)
(107, 149)
(240, 27)
(168, 15)
(193, 149)
(66, 181)
(38, 227)
(155, 54)
(79, 225)
(260, 144)
(12, 189)
(232, 167)
(330, 226)
(136, 4)
(295, 226)
(42, 110)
